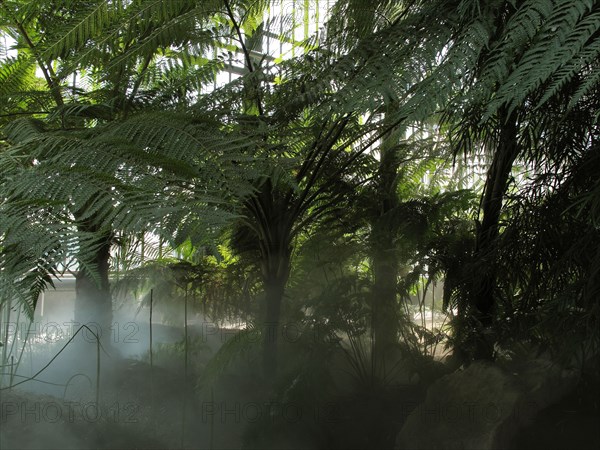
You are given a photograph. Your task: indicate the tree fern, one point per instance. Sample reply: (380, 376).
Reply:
(281, 146)
(16, 74)
(88, 21)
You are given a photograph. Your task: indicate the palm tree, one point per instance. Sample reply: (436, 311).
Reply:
(509, 87)
(491, 70)
(118, 51)
(275, 147)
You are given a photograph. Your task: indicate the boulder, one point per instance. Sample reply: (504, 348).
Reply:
(483, 406)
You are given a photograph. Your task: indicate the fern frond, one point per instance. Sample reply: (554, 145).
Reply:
(16, 75)
(551, 46)
(90, 21)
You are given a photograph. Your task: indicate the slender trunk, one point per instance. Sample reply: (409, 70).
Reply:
(93, 302)
(274, 280)
(6, 329)
(385, 308)
(385, 263)
(485, 280)
(274, 290)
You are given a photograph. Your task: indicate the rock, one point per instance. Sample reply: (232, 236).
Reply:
(483, 406)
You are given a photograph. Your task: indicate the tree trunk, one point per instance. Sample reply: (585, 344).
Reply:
(385, 262)
(93, 301)
(271, 209)
(484, 280)
(385, 314)
(274, 285)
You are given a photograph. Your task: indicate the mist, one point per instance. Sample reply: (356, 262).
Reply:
(116, 395)
(290, 224)
(71, 392)
(212, 393)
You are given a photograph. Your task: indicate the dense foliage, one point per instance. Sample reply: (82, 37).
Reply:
(405, 144)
